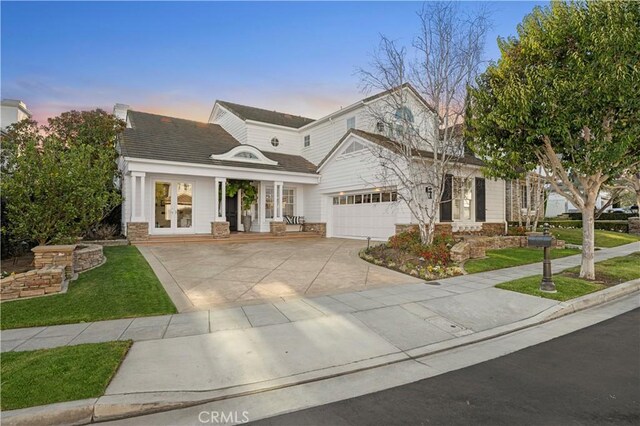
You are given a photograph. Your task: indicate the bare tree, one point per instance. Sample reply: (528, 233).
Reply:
(425, 145)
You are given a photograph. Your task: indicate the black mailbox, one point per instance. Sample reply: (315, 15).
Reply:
(540, 240)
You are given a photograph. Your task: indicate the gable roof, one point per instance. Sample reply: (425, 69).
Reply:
(266, 116)
(390, 144)
(158, 137)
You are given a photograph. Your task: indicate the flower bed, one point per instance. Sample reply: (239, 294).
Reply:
(405, 253)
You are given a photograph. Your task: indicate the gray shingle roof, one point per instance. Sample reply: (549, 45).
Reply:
(266, 116)
(157, 137)
(385, 142)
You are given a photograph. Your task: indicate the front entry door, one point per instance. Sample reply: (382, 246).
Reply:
(173, 207)
(232, 212)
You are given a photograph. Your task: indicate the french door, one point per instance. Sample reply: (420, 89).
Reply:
(173, 207)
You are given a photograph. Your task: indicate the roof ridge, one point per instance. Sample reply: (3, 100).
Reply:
(264, 109)
(171, 117)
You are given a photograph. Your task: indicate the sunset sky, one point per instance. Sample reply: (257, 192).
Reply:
(177, 58)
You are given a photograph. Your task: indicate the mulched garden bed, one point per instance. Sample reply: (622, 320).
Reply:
(405, 253)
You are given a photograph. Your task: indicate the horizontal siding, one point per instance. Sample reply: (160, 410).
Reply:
(260, 137)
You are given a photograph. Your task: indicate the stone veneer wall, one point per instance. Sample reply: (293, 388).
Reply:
(488, 229)
(87, 257)
(278, 228)
(220, 230)
(137, 231)
(634, 225)
(59, 255)
(319, 228)
(32, 283)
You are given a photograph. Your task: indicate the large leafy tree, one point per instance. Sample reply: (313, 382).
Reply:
(564, 95)
(59, 179)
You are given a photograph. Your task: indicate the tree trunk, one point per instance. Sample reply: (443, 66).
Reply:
(587, 270)
(426, 232)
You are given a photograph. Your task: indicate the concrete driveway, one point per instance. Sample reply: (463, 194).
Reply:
(201, 276)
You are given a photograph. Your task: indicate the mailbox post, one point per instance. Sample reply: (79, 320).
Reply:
(547, 285)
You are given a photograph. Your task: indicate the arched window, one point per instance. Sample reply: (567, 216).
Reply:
(246, 154)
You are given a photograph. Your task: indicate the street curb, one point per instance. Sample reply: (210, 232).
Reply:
(115, 407)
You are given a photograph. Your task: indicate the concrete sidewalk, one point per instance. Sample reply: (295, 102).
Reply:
(405, 315)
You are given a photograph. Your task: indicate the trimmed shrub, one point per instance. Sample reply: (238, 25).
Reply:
(603, 216)
(605, 225)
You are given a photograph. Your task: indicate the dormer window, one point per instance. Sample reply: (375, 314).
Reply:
(246, 154)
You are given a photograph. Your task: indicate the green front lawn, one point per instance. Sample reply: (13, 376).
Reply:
(124, 287)
(568, 285)
(603, 238)
(61, 374)
(506, 258)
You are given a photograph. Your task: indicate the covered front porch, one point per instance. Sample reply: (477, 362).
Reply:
(195, 201)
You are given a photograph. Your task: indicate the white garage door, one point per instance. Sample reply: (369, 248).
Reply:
(369, 214)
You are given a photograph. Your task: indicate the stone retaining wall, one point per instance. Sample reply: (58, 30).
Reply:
(32, 283)
(58, 255)
(486, 229)
(319, 228)
(87, 257)
(476, 247)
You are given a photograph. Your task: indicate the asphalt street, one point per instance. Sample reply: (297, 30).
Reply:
(591, 376)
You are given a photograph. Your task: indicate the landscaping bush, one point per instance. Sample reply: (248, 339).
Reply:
(604, 216)
(404, 252)
(606, 225)
(516, 231)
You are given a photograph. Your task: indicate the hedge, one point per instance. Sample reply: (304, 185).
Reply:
(607, 225)
(603, 216)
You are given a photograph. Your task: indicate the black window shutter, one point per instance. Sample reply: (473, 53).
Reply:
(445, 202)
(481, 205)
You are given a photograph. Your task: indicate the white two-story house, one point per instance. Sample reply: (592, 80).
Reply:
(175, 173)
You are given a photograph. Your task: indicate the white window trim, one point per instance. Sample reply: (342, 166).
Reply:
(231, 155)
(304, 141)
(461, 199)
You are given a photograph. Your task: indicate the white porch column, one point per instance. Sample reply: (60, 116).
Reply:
(262, 197)
(137, 197)
(219, 204)
(277, 201)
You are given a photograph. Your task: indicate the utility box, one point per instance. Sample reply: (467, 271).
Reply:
(540, 240)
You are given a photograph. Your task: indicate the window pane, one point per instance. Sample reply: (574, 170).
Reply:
(366, 198)
(289, 201)
(375, 197)
(343, 199)
(336, 201)
(268, 203)
(163, 205)
(386, 197)
(185, 203)
(350, 199)
(358, 199)
(351, 123)
(394, 196)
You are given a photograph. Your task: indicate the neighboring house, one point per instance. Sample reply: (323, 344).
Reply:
(12, 112)
(558, 204)
(175, 173)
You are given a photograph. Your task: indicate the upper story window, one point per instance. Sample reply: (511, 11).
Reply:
(380, 127)
(351, 123)
(307, 140)
(274, 141)
(404, 114)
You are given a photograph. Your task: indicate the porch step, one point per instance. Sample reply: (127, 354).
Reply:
(239, 237)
